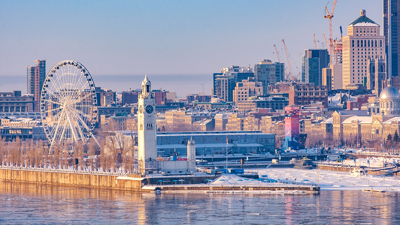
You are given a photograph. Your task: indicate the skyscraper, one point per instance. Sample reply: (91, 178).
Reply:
(267, 73)
(363, 42)
(314, 60)
(395, 8)
(35, 78)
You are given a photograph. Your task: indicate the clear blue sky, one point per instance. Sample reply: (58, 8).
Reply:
(165, 37)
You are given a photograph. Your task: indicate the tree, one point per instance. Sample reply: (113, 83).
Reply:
(396, 136)
(389, 137)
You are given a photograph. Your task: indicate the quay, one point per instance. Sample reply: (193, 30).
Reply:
(136, 183)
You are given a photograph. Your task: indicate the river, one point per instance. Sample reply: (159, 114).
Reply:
(43, 204)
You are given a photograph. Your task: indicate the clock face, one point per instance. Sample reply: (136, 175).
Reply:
(149, 109)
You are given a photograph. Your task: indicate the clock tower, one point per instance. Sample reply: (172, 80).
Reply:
(147, 128)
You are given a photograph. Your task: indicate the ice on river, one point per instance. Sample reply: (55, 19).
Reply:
(331, 180)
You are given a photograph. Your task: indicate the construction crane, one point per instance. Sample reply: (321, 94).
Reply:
(315, 42)
(277, 56)
(329, 16)
(326, 43)
(289, 75)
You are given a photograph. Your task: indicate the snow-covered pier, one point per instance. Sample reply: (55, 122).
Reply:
(232, 184)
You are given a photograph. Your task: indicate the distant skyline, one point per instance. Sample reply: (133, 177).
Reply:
(166, 37)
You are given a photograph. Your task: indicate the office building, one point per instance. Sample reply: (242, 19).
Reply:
(363, 41)
(301, 94)
(376, 75)
(15, 102)
(394, 33)
(246, 89)
(327, 78)
(271, 101)
(200, 97)
(225, 83)
(35, 78)
(268, 73)
(314, 60)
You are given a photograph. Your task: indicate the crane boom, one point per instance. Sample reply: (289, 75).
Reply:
(330, 16)
(277, 54)
(326, 43)
(288, 62)
(315, 42)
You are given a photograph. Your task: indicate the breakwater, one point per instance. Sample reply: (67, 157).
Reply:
(61, 178)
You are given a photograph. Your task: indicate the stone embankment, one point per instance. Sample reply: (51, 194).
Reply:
(64, 178)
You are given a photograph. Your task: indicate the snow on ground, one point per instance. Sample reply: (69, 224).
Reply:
(370, 162)
(234, 180)
(331, 180)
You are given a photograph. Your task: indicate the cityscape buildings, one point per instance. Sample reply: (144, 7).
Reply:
(15, 102)
(35, 78)
(268, 73)
(225, 83)
(394, 33)
(363, 42)
(246, 89)
(314, 60)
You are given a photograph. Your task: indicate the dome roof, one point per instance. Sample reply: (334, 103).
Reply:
(389, 93)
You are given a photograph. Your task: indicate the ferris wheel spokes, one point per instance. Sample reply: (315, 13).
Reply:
(69, 100)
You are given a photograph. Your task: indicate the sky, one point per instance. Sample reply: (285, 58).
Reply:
(166, 37)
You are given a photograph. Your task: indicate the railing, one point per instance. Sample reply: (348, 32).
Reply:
(118, 173)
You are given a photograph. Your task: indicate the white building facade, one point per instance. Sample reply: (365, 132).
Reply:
(363, 41)
(147, 137)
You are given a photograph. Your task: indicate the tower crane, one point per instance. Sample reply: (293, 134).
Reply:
(289, 75)
(329, 15)
(277, 56)
(326, 43)
(315, 42)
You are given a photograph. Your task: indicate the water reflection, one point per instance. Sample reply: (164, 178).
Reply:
(29, 203)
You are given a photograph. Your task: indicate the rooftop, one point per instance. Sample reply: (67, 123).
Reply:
(363, 20)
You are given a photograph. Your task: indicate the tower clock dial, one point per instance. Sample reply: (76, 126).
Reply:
(149, 109)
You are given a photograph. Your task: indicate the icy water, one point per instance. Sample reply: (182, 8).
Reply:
(42, 204)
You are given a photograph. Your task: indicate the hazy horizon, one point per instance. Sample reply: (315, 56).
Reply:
(166, 37)
(181, 84)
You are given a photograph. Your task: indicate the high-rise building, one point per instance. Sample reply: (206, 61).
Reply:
(376, 75)
(314, 60)
(35, 78)
(394, 33)
(268, 73)
(224, 83)
(363, 41)
(327, 78)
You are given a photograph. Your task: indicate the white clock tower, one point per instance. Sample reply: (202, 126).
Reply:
(147, 130)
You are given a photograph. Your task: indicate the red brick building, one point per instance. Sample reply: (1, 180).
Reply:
(301, 94)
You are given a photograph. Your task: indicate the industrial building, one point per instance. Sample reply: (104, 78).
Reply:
(216, 142)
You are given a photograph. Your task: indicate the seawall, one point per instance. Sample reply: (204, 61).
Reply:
(89, 180)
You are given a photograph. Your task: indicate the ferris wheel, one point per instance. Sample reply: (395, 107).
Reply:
(68, 103)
